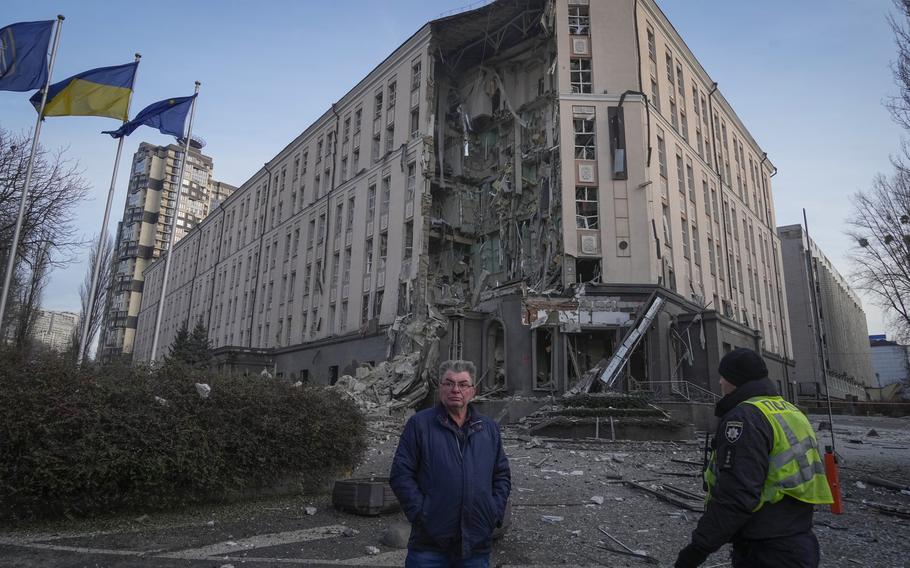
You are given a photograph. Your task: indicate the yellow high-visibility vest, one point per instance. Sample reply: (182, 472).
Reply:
(795, 467)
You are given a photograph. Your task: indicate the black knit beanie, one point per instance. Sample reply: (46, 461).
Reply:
(741, 366)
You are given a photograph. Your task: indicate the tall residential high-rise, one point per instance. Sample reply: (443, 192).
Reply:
(55, 329)
(828, 322)
(143, 232)
(524, 175)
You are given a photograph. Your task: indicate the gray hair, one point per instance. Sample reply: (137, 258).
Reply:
(458, 366)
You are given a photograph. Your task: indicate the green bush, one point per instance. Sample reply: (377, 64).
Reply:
(82, 441)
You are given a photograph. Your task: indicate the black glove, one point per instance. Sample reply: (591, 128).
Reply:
(691, 556)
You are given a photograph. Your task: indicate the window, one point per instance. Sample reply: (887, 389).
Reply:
(383, 249)
(350, 222)
(579, 20)
(386, 195)
(389, 137)
(415, 75)
(408, 240)
(377, 305)
(347, 129)
(712, 261)
(584, 139)
(358, 119)
(393, 87)
(377, 106)
(365, 309)
(414, 124)
(690, 180)
(674, 119)
(669, 61)
(411, 184)
(662, 161)
(685, 238)
(655, 94)
(652, 47)
(696, 249)
(319, 146)
(586, 214)
(684, 125)
(666, 223)
(344, 169)
(679, 82)
(617, 142)
(339, 215)
(368, 257)
(371, 202)
(580, 75)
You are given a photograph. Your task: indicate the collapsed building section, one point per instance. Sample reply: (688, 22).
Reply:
(514, 185)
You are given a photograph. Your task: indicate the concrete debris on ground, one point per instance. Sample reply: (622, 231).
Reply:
(310, 510)
(203, 389)
(372, 550)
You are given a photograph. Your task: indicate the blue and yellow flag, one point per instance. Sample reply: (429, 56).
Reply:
(168, 116)
(23, 55)
(100, 92)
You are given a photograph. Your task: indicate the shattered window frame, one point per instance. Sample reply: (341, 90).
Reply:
(586, 208)
(581, 75)
(579, 19)
(685, 238)
(585, 141)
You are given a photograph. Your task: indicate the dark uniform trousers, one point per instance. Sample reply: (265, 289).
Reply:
(796, 551)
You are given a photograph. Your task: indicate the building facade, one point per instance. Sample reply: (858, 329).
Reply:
(528, 173)
(143, 232)
(890, 361)
(55, 329)
(828, 322)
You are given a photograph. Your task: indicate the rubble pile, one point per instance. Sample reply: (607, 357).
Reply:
(403, 381)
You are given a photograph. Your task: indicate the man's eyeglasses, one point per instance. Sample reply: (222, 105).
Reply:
(449, 385)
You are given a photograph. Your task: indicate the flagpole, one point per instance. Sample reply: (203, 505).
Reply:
(102, 241)
(170, 238)
(14, 245)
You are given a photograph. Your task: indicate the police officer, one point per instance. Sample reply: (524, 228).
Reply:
(764, 476)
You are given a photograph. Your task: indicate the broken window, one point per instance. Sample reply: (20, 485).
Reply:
(411, 184)
(586, 210)
(674, 119)
(414, 127)
(580, 75)
(358, 119)
(543, 358)
(666, 223)
(618, 142)
(346, 275)
(584, 139)
(456, 347)
(319, 145)
(393, 88)
(690, 181)
(377, 305)
(696, 250)
(587, 270)
(339, 215)
(365, 308)
(342, 324)
(579, 20)
(408, 240)
(368, 258)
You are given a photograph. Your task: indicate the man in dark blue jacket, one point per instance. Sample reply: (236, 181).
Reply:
(451, 476)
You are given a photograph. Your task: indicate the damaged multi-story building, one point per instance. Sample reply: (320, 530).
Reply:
(513, 185)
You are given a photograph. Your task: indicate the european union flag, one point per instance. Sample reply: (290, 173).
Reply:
(168, 116)
(23, 55)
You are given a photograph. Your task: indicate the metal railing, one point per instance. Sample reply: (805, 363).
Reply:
(672, 391)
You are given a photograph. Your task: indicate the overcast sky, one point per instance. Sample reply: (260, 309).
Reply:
(807, 78)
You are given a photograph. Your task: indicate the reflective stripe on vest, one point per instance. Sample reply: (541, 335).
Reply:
(795, 467)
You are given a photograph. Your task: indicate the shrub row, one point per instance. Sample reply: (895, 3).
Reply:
(84, 441)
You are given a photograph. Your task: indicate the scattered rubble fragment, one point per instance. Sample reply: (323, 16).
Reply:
(372, 550)
(309, 510)
(597, 500)
(552, 519)
(203, 389)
